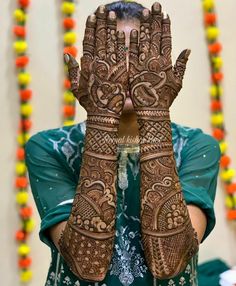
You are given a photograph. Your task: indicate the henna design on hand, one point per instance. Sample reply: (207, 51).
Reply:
(168, 237)
(88, 238)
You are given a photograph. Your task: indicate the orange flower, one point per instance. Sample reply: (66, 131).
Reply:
(215, 48)
(24, 262)
(26, 212)
(218, 134)
(25, 94)
(225, 161)
(216, 105)
(24, 3)
(20, 154)
(69, 23)
(20, 235)
(231, 188)
(22, 61)
(231, 215)
(218, 76)
(69, 111)
(19, 31)
(210, 18)
(21, 182)
(25, 124)
(71, 50)
(67, 84)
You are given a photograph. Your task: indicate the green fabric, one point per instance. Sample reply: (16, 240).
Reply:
(209, 272)
(54, 160)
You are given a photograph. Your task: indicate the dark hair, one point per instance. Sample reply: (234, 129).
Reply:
(126, 10)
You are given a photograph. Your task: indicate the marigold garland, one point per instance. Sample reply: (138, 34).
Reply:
(25, 211)
(217, 116)
(68, 23)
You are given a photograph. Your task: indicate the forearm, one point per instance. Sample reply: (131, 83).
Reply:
(168, 236)
(87, 241)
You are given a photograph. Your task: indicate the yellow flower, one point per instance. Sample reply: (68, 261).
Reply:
(30, 225)
(217, 119)
(22, 139)
(69, 38)
(212, 33)
(26, 109)
(229, 202)
(20, 47)
(69, 97)
(223, 147)
(24, 78)
(20, 16)
(68, 8)
(208, 4)
(23, 249)
(227, 175)
(69, 123)
(26, 275)
(218, 62)
(22, 198)
(20, 168)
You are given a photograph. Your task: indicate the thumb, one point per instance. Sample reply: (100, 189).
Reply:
(180, 65)
(74, 72)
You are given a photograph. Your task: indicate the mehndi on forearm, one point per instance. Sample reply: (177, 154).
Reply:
(87, 241)
(168, 237)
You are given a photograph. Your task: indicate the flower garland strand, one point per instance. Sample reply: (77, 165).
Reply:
(27, 223)
(217, 116)
(68, 9)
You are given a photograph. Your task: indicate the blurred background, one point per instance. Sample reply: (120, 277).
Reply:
(45, 39)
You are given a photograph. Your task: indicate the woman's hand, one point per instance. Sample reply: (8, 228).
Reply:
(101, 85)
(154, 83)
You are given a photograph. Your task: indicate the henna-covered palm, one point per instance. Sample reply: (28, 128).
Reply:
(154, 83)
(88, 239)
(102, 84)
(168, 237)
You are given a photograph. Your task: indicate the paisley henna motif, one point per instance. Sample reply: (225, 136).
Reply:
(168, 237)
(87, 241)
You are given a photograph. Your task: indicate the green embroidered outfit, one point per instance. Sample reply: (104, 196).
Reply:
(54, 160)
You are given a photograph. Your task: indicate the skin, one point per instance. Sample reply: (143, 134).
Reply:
(130, 126)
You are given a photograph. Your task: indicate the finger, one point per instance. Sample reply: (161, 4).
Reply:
(111, 37)
(74, 73)
(89, 37)
(133, 51)
(166, 43)
(101, 33)
(144, 43)
(180, 65)
(121, 53)
(156, 28)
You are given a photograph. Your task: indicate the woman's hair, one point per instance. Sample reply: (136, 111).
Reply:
(126, 10)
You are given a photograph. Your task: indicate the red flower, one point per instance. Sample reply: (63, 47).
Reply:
(24, 262)
(20, 235)
(67, 84)
(216, 105)
(225, 161)
(26, 212)
(25, 124)
(218, 134)
(217, 77)
(231, 188)
(21, 182)
(210, 18)
(215, 48)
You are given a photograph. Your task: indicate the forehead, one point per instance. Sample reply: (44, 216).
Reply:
(128, 25)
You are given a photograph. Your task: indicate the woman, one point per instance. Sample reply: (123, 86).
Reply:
(130, 213)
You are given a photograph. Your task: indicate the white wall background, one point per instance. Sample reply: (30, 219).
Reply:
(45, 49)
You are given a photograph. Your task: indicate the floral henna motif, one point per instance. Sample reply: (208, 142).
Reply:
(88, 239)
(168, 237)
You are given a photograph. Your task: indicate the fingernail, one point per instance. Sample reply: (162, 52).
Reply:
(92, 18)
(66, 58)
(188, 52)
(157, 7)
(165, 15)
(134, 33)
(145, 12)
(101, 8)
